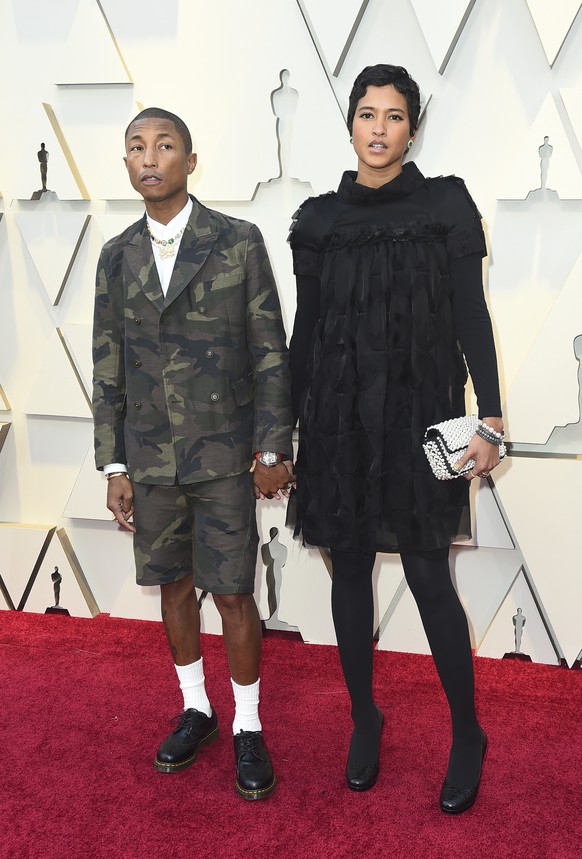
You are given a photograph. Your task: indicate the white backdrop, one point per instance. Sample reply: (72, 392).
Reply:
(263, 86)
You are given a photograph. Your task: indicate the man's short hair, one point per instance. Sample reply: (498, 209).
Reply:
(160, 113)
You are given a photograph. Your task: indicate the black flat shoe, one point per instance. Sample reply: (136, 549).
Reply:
(455, 800)
(362, 777)
(255, 778)
(179, 750)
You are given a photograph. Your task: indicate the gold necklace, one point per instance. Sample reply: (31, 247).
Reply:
(166, 247)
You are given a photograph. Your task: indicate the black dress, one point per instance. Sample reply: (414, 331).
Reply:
(390, 300)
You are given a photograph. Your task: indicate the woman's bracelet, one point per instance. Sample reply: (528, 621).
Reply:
(491, 435)
(117, 474)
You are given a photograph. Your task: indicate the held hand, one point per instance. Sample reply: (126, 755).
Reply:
(120, 501)
(485, 454)
(269, 481)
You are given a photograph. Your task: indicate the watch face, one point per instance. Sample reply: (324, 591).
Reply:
(269, 458)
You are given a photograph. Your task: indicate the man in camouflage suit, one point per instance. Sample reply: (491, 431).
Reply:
(192, 424)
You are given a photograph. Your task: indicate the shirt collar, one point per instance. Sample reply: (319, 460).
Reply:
(161, 231)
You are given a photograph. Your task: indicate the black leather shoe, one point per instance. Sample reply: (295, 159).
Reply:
(455, 800)
(364, 777)
(179, 750)
(255, 778)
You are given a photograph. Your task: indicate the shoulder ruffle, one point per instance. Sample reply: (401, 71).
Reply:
(309, 222)
(460, 215)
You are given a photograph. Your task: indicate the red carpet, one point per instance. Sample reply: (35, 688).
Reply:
(86, 702)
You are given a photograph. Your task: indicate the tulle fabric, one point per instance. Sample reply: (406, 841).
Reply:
(384, 365)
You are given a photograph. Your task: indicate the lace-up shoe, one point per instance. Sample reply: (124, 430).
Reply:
(179, 750)
(255, 778)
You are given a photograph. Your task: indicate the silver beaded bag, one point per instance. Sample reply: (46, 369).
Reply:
(445, 443)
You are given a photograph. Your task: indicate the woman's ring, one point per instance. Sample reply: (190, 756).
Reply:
(485, 473)
(472, 473)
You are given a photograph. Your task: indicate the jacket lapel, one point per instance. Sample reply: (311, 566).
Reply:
(197, 242)
(140, 258)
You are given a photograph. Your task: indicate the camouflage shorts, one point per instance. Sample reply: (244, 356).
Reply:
(207, 529)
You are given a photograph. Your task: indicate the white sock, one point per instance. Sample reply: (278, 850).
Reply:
(191, 679)
(246, 707)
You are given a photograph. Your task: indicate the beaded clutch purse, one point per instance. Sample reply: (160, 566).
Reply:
(445, 443)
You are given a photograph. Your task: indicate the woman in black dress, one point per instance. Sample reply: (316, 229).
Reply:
(389, 306)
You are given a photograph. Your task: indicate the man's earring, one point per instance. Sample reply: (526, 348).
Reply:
(410, 142)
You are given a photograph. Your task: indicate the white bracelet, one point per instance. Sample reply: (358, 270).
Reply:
(489, 429)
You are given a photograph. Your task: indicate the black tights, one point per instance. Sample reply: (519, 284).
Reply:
(445, 624)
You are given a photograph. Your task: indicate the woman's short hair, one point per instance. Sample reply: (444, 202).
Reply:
(384, 75)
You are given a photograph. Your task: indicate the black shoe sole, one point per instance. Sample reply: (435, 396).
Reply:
(366, 785)
(470, 801)
(262, 793)
(359, 788)
(164, 767)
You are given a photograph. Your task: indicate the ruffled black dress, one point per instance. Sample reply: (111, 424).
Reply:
(390, 300)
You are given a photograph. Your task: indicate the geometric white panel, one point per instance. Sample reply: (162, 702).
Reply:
(332, 31)
(541, 499)
(4, 427)
(210, 619)
(553, 22)
(111, 224)
(572, 98)
(103, 118)
(25, 178)
(91, 55)
(132, 601)
(280, 40)
(52, 236)
(4, 404)
(487, 524)
(20, 547)
(525, 173)
(44, 590)
(271, 526)
(501, 638)
(78, 339)
(442, 24)
(483, 579)
(551, 370)
(306, 596)
(56, 390)
(89, 495)
(404, 631)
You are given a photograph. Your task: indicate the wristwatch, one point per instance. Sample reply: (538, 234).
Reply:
(268, 458)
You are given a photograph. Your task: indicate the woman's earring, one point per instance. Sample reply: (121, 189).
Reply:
(410, 142)
(351, 139)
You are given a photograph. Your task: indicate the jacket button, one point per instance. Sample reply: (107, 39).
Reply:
(137, 406)
(209, 353)
(137, 320)
(202, 311)
(214, 397)
(136, 363)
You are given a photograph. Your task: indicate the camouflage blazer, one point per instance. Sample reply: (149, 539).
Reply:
(189, 384)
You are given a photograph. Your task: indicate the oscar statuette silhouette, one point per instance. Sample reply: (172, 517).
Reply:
(56, 579)
(519, 622)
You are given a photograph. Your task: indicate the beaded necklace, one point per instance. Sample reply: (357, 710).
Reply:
(166, 247)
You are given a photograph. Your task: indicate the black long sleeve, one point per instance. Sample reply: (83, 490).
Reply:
(306, 317)
(474, 331)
